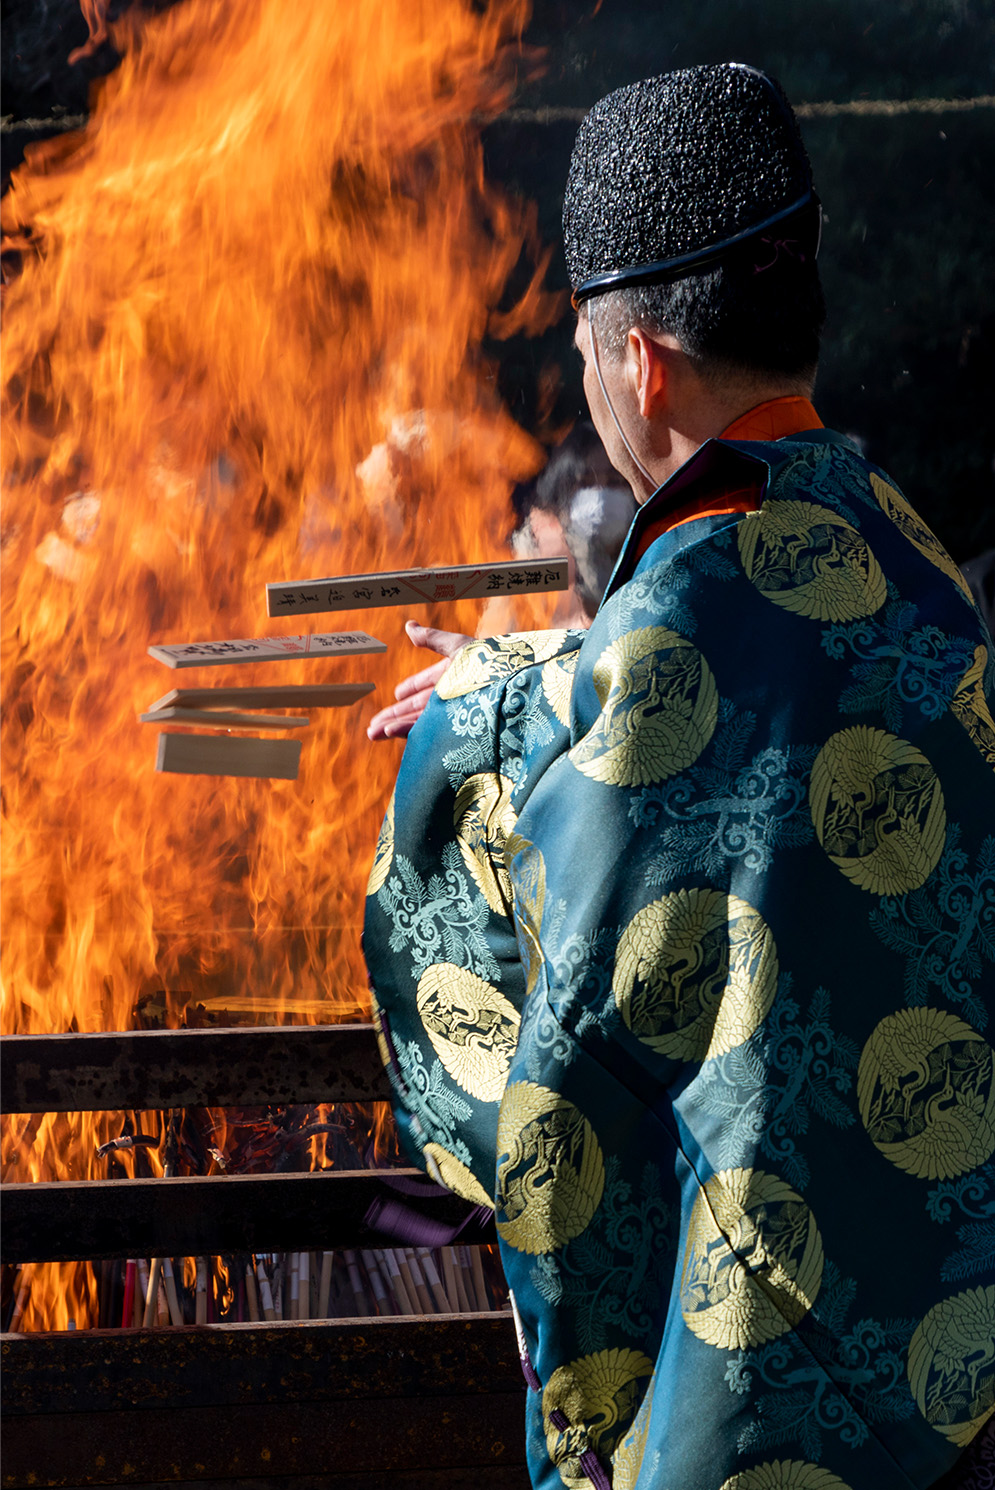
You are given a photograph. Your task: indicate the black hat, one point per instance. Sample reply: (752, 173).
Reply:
(669, 175)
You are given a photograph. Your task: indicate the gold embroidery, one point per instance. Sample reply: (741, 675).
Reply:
(952, 1364)
(627, 1460)
(659, 704)
(811, 561)
(971, 707)
(878, 810)
(785, 1474)
(455, 1174)
(483, 662)
(926, 1090)
(530, 898)
(383, 856)
(483, 817)
(912, 527)
(558, 682)
(597, 1394)
(752, 1260)
(695, 974)
(382, 1045)
(550, 1173)
(473, 1028)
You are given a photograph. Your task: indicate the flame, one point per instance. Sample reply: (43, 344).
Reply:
(242, 343)
(95, 15)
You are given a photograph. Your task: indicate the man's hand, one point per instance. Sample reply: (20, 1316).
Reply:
(413, 693)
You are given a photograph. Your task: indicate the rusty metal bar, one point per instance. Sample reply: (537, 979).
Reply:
(419, 1404)
(148, 1069)
(381, 1436)
(231, 1364)
(189, 1217)
(502, 1476)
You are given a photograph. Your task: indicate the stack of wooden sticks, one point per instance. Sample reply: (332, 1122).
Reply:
(227, 709)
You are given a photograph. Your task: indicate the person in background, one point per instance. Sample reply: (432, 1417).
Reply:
(577, 505)
(681, 929)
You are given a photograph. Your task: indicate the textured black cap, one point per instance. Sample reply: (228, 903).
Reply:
(669, 174)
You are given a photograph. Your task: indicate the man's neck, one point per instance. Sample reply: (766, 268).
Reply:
(704, 414)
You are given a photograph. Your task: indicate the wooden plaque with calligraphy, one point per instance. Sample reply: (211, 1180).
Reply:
(265, 649)
(417, 586)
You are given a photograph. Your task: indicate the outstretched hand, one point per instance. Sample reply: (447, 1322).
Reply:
(413, 693)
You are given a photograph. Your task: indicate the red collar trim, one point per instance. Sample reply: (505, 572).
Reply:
(774, 420)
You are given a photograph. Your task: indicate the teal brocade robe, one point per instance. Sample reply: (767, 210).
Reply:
(681, 935)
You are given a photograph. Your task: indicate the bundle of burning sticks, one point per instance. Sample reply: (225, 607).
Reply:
(228, 709)
(151, 1293)
(143, 1293)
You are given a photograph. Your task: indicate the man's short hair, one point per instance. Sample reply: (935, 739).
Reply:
(737, 320)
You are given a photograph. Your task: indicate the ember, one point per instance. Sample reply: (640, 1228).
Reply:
(271, 249)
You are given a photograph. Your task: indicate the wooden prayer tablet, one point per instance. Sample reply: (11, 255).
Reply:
(227, 755)
(416, 586)
(290, 696)
(224, 719)
(265, 649)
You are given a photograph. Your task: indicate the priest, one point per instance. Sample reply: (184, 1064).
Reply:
(681, 930)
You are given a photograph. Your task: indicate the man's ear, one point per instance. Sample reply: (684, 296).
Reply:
(650, 369)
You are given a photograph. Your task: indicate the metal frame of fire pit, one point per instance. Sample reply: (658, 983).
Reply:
(418, 1403)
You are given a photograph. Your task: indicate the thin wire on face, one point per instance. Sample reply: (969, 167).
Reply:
(604, 393)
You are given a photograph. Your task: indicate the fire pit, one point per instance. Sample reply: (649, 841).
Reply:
(244, 315)
(225, 1403)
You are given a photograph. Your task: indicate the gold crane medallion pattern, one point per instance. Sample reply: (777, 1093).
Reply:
(970, 706)
(557, 684)
(530, 897)
(550, 1172)
(811, 561)
(597, 1394)
(911, 525)
(785, 1474)
(483, 817)
(952, 1364)
(383, 856)
(695, 974)
(878, 810)
(482, 662)
(926, 1089)
(472, 1026)
(456, 1176)
(627, 1460)
(752, 1260)
(659, 704)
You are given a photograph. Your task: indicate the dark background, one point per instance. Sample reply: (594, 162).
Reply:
(906, 182)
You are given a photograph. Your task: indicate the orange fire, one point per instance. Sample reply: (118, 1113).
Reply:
(244, 345)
